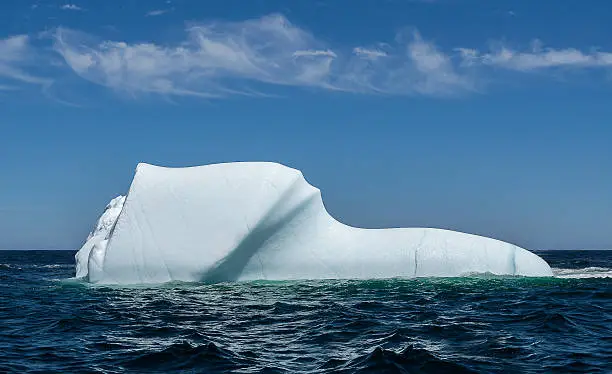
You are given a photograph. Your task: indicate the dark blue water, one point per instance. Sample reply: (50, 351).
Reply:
(469, 325)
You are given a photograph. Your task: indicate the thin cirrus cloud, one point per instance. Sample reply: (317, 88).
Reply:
(71, 7)
(220, 59)
(369, 53)
(15, 56)
(157, 12)
(537, 58)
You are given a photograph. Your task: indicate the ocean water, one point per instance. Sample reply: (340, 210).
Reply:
(49, 323)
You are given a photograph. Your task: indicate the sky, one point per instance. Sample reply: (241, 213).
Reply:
(488, 117)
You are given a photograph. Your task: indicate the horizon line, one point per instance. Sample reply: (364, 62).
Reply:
(76, 249)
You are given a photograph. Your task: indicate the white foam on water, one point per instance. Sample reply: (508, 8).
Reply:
(10, 266)
(35, 266)
(589, 272)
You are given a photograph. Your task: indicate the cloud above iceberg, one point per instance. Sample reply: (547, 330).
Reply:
(220, 58)
(157, 12)
(537, 57)
(71, 7)
(16, 57)
(251, 57)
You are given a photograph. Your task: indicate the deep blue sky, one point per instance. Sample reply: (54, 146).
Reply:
(490, 117)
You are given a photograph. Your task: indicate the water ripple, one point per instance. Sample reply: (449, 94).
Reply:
(461, 325)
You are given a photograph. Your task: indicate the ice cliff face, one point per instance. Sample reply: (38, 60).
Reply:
(99, 235)
(257, 220)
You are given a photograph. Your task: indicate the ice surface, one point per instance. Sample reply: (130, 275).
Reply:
(259, 220)
(100, 234)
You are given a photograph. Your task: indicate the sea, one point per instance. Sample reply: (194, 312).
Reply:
(50, 323)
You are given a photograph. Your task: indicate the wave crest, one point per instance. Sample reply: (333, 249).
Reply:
(589, 272)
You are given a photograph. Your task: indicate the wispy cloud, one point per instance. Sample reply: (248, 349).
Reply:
(372, 54)
(314, 53)
(14, 56)
(71, 7)
(157, 12)
(220, 58)
(214, 60)
(536, 58)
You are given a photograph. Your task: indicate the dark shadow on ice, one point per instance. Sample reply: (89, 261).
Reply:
(230, 267)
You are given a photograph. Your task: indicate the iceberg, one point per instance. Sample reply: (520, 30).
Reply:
(263, 221)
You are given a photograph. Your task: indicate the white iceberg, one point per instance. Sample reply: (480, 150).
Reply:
(259, 220)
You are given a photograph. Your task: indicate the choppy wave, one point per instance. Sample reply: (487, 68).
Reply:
(479, 324)
(22, 266)
(583, 273)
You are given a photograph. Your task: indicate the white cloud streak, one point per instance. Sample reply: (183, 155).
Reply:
(14, 55)
(215, 59)
(371, 54)
(536, 58)
(71, 7)
(220, 59)
(314, 53)
(156, 12)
